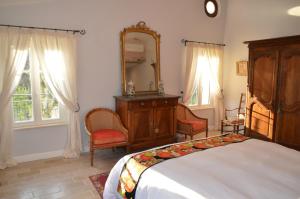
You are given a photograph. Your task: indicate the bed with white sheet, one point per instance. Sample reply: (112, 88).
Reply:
(249, 169)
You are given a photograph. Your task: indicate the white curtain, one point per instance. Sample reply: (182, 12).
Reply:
(56, 55)
(14, 45)
(191, 52)
(198, 55)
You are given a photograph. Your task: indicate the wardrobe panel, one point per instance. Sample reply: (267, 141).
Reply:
(288, 122)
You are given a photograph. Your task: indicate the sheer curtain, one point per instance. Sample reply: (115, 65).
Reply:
(198, 55)
(14, 45)
(56, 55)
(191, 52)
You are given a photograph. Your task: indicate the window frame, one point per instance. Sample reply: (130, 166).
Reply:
(36, 101)
(199, 94)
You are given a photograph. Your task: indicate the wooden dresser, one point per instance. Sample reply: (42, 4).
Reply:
(150, 119)
(273, 103)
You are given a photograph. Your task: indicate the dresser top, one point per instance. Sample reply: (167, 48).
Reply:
(144, 97)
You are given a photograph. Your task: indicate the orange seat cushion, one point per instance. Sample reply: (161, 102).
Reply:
(197, 125)
(106, 136)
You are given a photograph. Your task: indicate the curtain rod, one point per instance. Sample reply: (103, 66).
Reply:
(82, 32)
(200, 42)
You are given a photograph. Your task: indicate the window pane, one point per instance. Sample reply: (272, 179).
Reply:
(22, 100)
(194, 99)
(24, 86)
(49, 105)
(27, 65)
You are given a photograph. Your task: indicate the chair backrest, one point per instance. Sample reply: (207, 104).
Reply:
(242, 105)
(101, 118)
(181, 112)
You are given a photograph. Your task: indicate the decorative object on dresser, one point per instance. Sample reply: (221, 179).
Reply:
(188, 123)
(273, 104)
(130, 89)
(150, 119)
(105, 130)
(161, 89)
(234, 118)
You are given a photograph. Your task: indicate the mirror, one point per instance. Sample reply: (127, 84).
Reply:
(140, 59)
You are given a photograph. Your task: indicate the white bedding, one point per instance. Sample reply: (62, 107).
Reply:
(250, 169)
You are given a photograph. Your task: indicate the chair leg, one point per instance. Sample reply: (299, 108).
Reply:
(92, 157)
(185, 136)
(238, 129)
(192, 137)
(206, 133)
(222, 127)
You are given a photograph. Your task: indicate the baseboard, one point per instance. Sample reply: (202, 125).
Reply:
(38, 156)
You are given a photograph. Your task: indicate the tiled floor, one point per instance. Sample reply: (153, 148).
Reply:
(56, 177)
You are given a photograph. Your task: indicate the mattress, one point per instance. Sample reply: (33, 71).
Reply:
(249, 169)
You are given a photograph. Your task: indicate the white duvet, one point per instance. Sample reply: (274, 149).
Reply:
(250, 169)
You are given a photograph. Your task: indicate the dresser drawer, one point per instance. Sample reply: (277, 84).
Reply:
(166, 102)
(140, 104)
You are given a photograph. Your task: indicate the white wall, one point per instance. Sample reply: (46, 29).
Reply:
(99, 70)
(251, 20)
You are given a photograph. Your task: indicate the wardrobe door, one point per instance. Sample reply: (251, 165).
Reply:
(263, 66)
(263, 72)
(288, 114)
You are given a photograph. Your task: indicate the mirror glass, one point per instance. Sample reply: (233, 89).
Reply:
(140, 61)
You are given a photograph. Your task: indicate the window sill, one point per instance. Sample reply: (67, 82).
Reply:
(196, 108)
(39, 125)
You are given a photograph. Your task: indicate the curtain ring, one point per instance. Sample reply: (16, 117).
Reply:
(78, 108)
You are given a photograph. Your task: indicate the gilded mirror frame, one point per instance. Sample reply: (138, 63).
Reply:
(140, 27)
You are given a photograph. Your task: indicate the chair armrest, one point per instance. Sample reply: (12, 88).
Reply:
(119, 125)
(194, 116)
(86, 129)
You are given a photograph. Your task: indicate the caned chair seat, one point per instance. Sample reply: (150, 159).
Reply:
(197, 125)
(108, 136)
(234, 122)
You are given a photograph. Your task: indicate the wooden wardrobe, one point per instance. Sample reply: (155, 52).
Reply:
(273, 98)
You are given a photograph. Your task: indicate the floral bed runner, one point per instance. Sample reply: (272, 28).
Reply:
(138, 163)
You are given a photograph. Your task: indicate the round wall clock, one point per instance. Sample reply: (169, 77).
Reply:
(211, 8)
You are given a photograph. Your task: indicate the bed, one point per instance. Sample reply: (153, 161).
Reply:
(249, 169)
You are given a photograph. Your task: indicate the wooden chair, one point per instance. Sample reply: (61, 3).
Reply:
(188, 123)
(234, 118)
(105, 130)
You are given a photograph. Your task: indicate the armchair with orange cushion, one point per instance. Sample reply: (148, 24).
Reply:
(188, 123)
(105, 130)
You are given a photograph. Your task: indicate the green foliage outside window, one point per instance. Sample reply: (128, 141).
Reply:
(22, 104)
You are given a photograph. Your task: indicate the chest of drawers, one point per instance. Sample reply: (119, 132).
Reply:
(150, 120)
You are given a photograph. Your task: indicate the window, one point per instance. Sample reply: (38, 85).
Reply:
(211, 8)
(204, 82)
(33, 103)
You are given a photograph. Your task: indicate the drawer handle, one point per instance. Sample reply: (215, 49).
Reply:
(156, 130)
(166, 101)
(142, 103)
